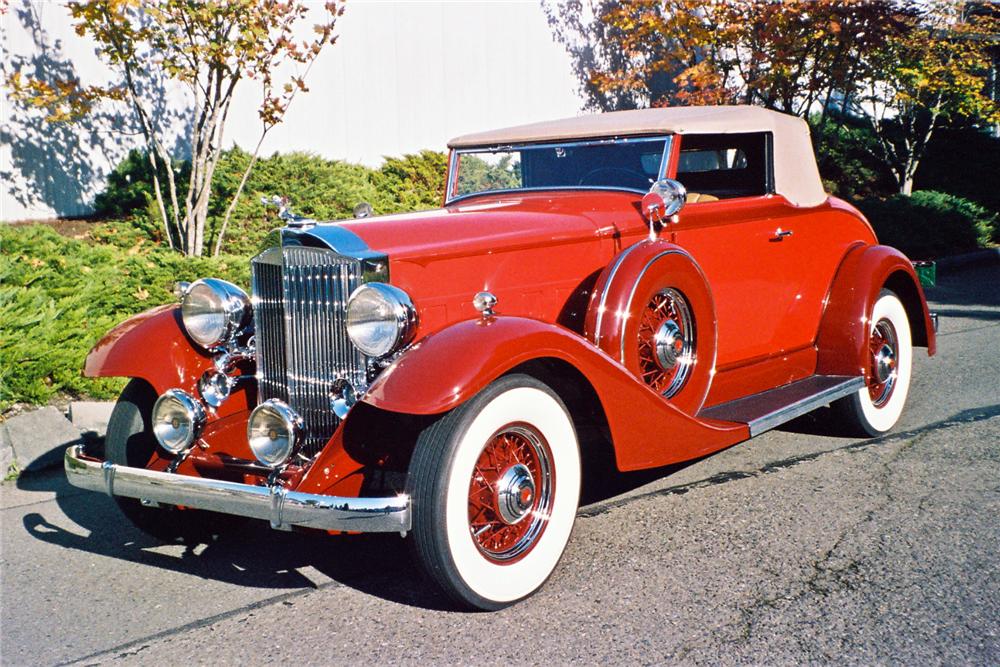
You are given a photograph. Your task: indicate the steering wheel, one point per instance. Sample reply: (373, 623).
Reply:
(588, 179)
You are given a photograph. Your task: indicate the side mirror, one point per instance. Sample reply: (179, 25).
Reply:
(665, 198)
(363, 210)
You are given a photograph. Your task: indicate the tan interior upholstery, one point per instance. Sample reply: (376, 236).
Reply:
(697, 197)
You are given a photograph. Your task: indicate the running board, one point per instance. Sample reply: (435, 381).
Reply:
(768, 409)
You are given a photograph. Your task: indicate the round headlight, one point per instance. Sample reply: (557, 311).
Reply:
(214, 311)
(380, 318)
(274, 432)
(177, 420)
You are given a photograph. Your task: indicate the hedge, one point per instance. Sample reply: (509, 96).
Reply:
(59, 296)
(316, 187)
(930, 224)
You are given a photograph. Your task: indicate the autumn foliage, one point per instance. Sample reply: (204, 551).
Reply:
(905, 66)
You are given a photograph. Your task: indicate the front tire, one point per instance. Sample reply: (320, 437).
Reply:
(876, 407)
(495, 487)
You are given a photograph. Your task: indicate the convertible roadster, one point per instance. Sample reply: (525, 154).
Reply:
(640, 287)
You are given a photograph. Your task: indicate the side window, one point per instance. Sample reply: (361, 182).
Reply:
(722, 166)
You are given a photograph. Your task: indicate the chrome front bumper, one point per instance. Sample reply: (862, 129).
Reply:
(283, 508)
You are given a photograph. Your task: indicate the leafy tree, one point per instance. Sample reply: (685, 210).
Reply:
(476, 174)
(781, 55)
(208, 47)
(935, 69)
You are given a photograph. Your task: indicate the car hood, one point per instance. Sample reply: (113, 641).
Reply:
(481, 226)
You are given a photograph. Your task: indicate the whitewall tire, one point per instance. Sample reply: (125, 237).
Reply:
(876, 408)
(495, 487)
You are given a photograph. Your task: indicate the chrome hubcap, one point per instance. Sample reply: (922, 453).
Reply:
(882, 347)
(516, 494)
(669, 344)
(885, 363)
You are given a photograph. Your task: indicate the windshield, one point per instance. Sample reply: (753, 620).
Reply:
(620, 164)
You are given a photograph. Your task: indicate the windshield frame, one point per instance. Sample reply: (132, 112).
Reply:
(450, 197)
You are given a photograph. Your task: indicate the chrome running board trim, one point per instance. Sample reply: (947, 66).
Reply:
(768, 409)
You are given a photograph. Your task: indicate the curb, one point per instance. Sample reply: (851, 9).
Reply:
(956, 262)
(35, 441)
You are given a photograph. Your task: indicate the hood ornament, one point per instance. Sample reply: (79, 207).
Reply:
(285, 212)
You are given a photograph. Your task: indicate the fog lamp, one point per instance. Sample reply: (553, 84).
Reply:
(274, 432)
(215, 387)
(177, 420)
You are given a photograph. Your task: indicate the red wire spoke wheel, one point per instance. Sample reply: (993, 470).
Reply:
(666, 341)
(875, 408)
(511, 492)
(489, 522)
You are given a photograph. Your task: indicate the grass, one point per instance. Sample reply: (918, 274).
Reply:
(59, 296)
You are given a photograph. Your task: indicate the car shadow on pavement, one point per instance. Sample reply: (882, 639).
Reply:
(248, 553)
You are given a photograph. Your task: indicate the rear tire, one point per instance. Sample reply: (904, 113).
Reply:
(495, 487)
(130, 442)
(877, 406)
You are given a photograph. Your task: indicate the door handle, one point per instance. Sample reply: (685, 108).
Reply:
(780, 234)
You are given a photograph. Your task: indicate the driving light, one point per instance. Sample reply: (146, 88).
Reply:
(177, 420)
(214, 311)
(380, 318)
(274, 432)
(215, 387)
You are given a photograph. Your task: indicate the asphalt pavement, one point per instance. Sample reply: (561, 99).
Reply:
(795, 547)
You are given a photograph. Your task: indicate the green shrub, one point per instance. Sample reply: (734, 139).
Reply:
(316, 187)
(59, 296)
(412, 182)
(964, 162)
(930, 224)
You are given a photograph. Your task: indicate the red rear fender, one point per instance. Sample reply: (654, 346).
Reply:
(864, 273)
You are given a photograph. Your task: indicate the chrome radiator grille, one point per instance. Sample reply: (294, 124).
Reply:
(300, 298)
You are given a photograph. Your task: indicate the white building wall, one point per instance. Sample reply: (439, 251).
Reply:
(403, 76)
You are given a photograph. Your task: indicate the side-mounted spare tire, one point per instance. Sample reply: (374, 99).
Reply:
(653, 312)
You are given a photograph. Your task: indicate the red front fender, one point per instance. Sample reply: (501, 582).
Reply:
(153, 346)
(449, 367)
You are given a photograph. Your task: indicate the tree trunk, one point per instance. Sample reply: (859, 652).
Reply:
(906, 187)
(236, 196)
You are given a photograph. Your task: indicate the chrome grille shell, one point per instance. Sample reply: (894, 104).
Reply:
(300, 296)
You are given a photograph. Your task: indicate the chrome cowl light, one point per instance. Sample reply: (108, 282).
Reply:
(214, 312)
(380, 318)
(177, 420)
(274, 432)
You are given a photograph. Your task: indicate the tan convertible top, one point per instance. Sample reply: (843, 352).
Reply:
(795, 174)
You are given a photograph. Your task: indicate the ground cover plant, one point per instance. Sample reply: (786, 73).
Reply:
(59, 296)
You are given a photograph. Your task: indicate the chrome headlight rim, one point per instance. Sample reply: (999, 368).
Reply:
(281, 416)
(231, 303)
(401, 315)
(191, 409)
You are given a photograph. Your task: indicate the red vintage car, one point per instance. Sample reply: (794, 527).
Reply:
(643, 287)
